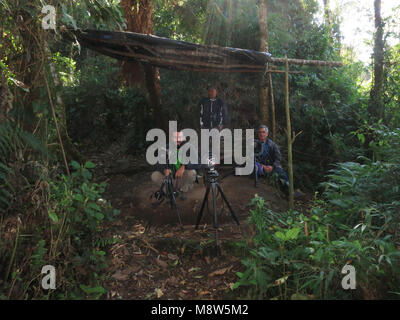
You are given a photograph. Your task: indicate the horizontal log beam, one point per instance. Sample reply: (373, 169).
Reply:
(168, 53)
(303, 62)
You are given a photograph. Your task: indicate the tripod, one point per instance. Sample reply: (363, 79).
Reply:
(167, 190)
(212, 183)
(170, 194)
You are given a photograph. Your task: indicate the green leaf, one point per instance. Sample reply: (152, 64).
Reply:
(292, 234)
(361, 137)
(75, 165)
(88, 290)
(86, 174)
(53, 216)
(280, 235)
(89, 165)
(78, 197)
(298, 296)
(99, 216)
(94, 206)
(236, 285)
(268, 254)
(175, 263)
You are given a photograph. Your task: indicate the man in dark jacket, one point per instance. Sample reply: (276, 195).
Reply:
(213, 111)
(269, 161)
(184, 175)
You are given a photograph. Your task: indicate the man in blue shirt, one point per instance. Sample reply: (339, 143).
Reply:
(269, 161)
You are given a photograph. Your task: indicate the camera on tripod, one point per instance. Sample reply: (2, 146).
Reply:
(213, 186)
(210, 165)
(167, 190)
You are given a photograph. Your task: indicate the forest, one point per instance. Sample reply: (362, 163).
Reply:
(83, 82)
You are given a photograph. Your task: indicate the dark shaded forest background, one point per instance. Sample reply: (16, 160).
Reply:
(347, 154)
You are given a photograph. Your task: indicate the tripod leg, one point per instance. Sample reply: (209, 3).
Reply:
(173, 202)
(228, 204)
(214, 195)
(202, 206)
(255, 175)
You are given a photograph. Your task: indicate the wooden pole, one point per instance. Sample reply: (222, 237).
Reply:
(272, 107)
(289, 137)
(56, 124)
(263, 93)
(302, 62)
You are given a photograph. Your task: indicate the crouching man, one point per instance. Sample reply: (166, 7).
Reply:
(184, 176)
(270, 159)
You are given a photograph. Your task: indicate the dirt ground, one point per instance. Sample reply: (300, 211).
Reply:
(133, 194)
(156, 259)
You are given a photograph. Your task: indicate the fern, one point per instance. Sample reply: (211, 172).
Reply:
(102, 243)
(7, 145)
(12, 139)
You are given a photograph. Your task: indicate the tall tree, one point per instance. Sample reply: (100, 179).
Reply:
(264, 88)
(139, 18)
(328, 16)
(376, 107)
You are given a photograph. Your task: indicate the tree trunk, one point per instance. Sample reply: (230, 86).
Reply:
(328, 17)
(67, 148)
(264, 88)
(139, 18)
(376, 107)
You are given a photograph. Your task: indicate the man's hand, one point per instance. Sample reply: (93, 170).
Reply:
(179, 172)
(167, 172)
(268, 168)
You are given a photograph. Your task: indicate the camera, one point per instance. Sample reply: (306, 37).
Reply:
(209, 166)
(210, 163)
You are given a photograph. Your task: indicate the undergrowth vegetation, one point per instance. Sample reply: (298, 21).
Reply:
(61, 226)
(356, 221)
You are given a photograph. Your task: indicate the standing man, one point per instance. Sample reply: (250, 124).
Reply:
(213, 111)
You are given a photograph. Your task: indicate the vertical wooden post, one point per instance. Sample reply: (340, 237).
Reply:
(289, 136)
(264, 85)
(56, 124)
(272, 107)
